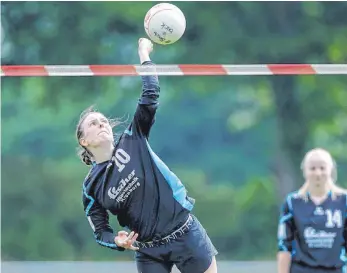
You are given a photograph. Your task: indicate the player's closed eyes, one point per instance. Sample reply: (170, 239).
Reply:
(93, 123)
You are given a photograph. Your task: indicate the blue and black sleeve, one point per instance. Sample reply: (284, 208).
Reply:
(98, 219)
(147, 106)
(345, 228)
(285, 234)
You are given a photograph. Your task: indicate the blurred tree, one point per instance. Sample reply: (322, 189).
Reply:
(231, 140)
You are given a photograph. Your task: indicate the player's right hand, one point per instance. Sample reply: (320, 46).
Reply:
(145, 45)
(126, 241)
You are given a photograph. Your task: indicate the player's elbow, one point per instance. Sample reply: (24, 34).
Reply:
(284, 247)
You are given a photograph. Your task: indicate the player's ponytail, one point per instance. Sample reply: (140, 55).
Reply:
(85, 156)
(82, 152)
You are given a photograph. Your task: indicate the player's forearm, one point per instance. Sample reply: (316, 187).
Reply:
(283, 262)
(106, 238)
(144, 56)
(150, 86)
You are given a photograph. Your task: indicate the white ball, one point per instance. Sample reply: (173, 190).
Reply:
(165, 23)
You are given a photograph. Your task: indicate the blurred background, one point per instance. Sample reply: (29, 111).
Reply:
(236, 142)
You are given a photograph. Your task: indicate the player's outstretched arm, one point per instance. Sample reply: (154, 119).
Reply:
(148, 102)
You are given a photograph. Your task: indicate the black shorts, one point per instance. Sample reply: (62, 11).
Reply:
(297, 268)
(191, 253)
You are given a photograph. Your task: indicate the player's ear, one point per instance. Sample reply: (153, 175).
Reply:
(83, 142)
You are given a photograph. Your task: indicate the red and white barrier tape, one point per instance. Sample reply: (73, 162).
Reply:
(173, 70)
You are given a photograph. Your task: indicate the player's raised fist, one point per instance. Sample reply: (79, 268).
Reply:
(145, 45)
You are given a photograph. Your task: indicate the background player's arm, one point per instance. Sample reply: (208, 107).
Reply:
(99, 221)
(345, 232)
(148, 102)
(283, 262)
(285, 239)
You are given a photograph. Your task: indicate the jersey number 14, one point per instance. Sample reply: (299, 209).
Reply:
(333, 218)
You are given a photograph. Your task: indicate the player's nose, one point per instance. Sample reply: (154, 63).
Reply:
(101, 125)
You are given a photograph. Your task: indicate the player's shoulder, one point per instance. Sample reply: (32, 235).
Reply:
(88, 175)
(341, 196)
(88, 178)
(290, 197)
(132, 132)
(93, 174)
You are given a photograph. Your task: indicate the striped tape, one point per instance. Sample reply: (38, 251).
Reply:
(173, 70)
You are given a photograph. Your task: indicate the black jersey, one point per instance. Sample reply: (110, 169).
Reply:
(135, 185)
(314, 234)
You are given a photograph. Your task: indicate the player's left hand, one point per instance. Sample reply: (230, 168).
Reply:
(126, 241)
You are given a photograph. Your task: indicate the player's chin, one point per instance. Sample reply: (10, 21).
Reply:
(105, 139)
(320, 181)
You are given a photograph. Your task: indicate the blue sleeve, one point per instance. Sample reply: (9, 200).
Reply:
(285, 235)
(147, 106)
(98, 219)
(345, 227)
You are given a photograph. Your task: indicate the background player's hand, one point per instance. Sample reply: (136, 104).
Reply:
(145, 46)
(126, 241)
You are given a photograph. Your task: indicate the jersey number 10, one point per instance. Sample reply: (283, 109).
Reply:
(121, 158)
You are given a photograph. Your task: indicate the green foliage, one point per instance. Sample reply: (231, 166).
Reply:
(231, 140)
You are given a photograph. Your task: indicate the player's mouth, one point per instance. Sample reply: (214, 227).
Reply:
(319, 179)
(103, 132)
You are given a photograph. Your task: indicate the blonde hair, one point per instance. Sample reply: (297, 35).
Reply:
(335, 190)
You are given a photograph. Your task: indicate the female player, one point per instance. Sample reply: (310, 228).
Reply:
(130, 181)
(312, 230)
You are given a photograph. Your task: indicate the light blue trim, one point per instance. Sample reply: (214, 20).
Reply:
(178, 189)
(87, 212)
(90, 198)
(282, 246)
(106, 244)
(343, 255)
(289, 201)
(286, 218)
(130, 133)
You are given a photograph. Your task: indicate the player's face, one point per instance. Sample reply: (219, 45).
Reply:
(96, 130)
(318, 169)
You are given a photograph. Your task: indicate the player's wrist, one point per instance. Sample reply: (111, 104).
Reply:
(144, 57)
(143, 53)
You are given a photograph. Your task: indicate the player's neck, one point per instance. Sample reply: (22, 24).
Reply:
(102, 153)
(318, 191)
